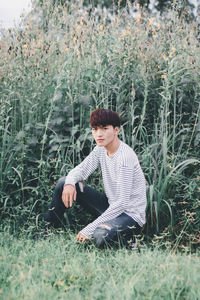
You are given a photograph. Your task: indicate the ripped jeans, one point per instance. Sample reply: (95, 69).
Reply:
(118, 231)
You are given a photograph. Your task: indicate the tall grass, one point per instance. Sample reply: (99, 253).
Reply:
(60, 67)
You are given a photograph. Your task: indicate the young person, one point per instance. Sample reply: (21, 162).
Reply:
(120, 212)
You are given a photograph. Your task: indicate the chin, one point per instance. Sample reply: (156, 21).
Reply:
(100, 144)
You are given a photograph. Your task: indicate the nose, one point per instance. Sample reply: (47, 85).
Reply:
(99, 132)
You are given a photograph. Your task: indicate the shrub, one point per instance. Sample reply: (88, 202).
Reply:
(59, 67)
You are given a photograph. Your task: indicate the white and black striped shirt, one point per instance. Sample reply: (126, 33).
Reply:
(123, 180)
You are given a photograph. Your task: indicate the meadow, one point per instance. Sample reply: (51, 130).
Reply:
(59, 268)
(62, 64)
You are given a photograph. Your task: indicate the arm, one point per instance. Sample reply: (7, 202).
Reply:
(80, 173)
(84, 169)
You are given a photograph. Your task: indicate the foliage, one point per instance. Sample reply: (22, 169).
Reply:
(61, 66)
(160, 6)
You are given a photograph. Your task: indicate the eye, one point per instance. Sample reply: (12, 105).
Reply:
(105, 128)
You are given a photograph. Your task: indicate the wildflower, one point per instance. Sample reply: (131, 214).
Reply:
(67, 49)
(25, 46)
(86, 13)
(99, 61)
(78, 27)
(158, 26)
(173, 49)
(101, 27)
(74, 38)
(124, 33)
(164, 76)
(170, 55)
(151, 21)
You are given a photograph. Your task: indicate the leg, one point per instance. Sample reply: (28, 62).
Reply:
(93, 201)
(56, 210)
(116, 231)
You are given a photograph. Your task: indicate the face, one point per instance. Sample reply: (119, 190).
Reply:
(105, 135)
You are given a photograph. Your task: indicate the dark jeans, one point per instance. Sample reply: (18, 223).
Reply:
(116, 231)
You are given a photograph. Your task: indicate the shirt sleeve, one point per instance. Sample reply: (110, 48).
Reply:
(123, 192)
(84, 169)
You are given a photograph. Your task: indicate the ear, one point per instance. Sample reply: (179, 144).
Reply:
(116, 130)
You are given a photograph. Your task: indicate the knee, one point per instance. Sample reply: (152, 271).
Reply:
(60, 184)
(101, 235)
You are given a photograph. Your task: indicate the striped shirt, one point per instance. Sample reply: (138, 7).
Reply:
(124, 183)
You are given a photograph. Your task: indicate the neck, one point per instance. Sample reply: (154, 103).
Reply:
(112, 147)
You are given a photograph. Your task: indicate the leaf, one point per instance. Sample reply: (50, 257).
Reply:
(57, 96)
(20, 135)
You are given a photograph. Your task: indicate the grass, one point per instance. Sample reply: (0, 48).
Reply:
(59, 268)
(53, 73)
(61, 66)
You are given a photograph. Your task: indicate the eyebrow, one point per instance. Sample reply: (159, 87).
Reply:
(101, 126)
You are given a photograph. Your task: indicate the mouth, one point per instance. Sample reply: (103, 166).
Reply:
(100, 140)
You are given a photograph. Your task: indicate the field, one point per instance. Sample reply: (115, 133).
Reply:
(62, 64)
(59, 268)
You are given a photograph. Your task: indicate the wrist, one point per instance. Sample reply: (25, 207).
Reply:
(68, 184)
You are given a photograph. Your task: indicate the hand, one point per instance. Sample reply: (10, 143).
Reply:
(68, 195)
(81, 238)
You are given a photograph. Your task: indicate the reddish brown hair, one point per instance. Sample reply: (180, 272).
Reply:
(103, 117)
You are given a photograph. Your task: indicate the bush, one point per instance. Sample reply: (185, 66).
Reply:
(59, 67)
